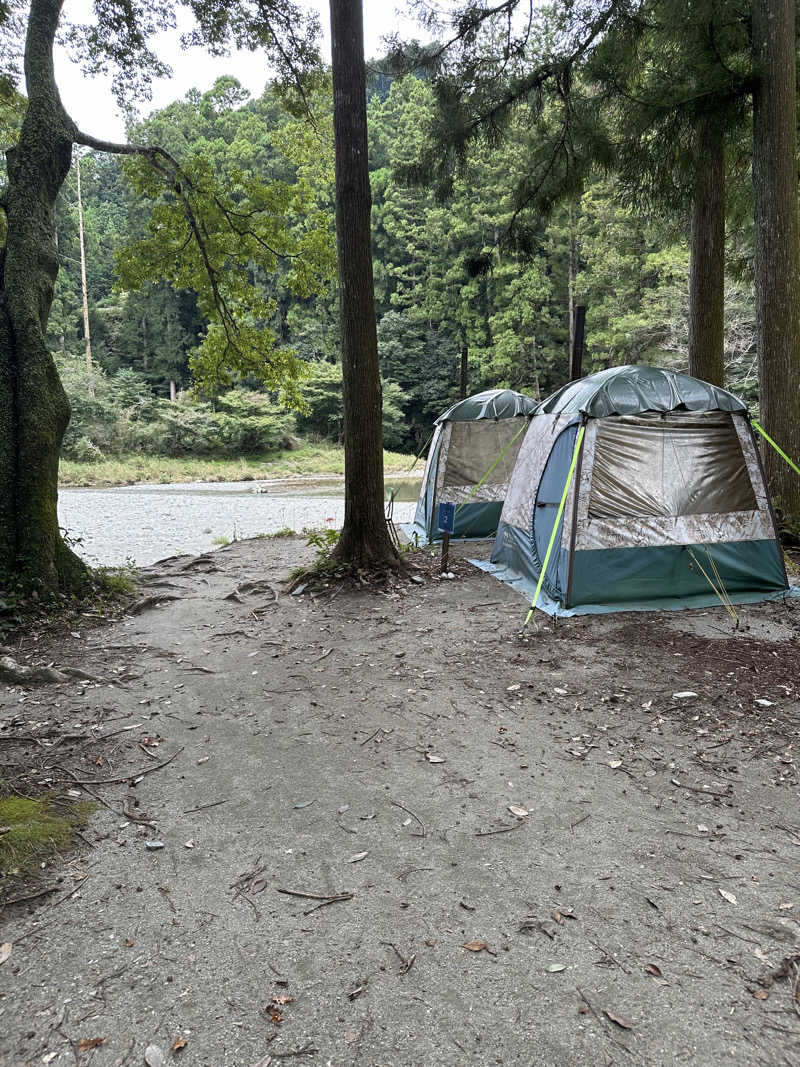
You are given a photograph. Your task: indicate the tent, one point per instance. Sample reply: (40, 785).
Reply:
(648, 487)
(472, 454)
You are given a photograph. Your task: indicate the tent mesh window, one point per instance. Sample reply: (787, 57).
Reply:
(669, 465)
(474, 447)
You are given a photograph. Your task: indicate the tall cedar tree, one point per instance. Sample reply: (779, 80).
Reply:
(364, 540)
(777, 252)
(34, 411)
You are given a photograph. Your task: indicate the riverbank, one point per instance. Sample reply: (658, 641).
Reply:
(308, 459)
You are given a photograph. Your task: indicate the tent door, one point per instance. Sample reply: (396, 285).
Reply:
(545, 507)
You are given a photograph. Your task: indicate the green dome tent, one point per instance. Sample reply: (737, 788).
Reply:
(472, 454)
(664, 499)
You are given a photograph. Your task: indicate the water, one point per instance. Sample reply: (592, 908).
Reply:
(145, 523)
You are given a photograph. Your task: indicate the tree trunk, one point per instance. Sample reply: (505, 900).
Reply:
(462, 385)
(84, 288)
(707, 270)
(34, 410)
(364, 540)
(777, 272)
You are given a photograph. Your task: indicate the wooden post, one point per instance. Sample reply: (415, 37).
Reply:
(445, 552)
(576, 353)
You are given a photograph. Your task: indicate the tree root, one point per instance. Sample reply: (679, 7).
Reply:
(17, 674)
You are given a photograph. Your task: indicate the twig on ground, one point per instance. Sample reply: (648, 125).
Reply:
(30, 896)
(123, 778)
(204, 807)
(413, 815)
(602, 1021)
(502, 830)
(307, 1050)
(572, 825)
(405, 964)
(325, 898)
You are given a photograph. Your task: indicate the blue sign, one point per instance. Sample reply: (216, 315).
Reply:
(447, 518)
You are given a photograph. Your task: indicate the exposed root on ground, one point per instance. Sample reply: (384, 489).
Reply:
(17, 674)
(331, 576)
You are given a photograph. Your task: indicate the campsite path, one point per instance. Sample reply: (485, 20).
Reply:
(397, 835)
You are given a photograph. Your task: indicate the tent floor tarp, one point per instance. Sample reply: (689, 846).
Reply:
(525, 585)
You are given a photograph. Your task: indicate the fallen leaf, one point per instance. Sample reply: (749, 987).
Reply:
(558, 917)
(189, 843)
(154, 1057)
(179, 1043)
(555, 967)
(434, 759)
(5, 951)
(614, 763)
(760, 954)
(87, 1043)
(128, 943)
(781, 907)
(653, 969)
(430, 942)
(304, 804)
(513, 688)
(358, 857)
(50, 1056)
(760, 994)
(731, 899)
(561, 692)
(475, 946)
(282, 998)
(519, 812)
(612, 1015)
(274, 1015)
(258, 885)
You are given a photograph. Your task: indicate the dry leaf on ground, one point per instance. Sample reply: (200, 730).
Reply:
(88, 1043)
(612, 1015)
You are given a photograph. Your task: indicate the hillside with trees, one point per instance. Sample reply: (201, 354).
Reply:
(629, 267)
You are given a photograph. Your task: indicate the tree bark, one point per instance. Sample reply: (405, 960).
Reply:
(84, 287)
(34, 410)
(707, 265)
(777, 271)
(364, 541)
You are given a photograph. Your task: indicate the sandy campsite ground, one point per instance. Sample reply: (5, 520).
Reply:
(395, 834)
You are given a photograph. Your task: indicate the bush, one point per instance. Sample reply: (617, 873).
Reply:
(120, 414)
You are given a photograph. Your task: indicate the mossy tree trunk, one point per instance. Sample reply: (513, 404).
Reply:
(777, 249)
(707, 270)
(34, 411)
(364, 541)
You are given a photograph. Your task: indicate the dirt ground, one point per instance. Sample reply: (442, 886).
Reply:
(398, 834)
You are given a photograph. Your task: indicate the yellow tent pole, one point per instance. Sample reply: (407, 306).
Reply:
(559, 513)
(779, 450)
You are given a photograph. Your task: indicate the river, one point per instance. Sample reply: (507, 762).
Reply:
(144, 523)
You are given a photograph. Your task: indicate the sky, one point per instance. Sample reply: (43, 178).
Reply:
(92, 106)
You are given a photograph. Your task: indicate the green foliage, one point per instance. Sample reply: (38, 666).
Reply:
(119, 414)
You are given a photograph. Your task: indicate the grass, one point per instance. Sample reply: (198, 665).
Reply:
(32, 831)
(309, 459)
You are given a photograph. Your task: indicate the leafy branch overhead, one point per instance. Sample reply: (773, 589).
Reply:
(218, 231)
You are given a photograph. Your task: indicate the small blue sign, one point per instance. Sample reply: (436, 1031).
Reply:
(447, 517)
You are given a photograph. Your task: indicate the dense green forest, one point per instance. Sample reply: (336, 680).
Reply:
(629, 267)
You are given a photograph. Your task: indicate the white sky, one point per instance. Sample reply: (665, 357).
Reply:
(91, 104)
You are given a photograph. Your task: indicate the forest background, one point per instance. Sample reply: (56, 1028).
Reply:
(629, 267)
